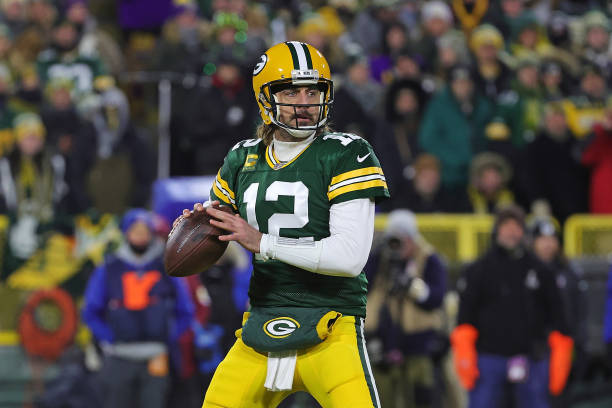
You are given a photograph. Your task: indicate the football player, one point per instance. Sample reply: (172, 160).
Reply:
(304, 198)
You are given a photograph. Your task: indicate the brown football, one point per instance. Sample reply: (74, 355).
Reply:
(193, 245)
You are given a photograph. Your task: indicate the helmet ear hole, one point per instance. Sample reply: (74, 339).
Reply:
(264, 101)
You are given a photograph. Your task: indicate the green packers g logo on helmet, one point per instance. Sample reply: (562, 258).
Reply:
(280, 327)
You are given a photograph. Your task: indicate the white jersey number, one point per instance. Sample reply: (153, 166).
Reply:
(297, 219)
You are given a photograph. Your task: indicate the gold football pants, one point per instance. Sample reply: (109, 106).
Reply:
(335, 372)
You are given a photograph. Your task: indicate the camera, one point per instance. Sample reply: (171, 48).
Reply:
(395, 266)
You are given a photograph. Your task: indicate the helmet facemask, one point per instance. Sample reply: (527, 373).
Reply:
(269, 101)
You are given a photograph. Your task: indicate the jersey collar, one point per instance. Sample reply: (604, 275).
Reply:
(277, 164)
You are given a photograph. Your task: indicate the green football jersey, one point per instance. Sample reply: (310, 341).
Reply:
(293, 200)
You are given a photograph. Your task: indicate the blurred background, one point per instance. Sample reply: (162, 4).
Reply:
(470, 105)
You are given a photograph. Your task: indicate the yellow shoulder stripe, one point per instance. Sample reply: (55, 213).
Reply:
(356, 186)
(225, 186)
(356, 173)
(222, 196)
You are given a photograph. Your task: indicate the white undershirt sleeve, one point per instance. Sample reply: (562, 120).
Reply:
(344, 253)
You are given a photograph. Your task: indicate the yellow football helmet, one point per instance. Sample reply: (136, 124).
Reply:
(286, 64)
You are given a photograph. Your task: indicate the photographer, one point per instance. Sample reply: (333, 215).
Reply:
(404, 315)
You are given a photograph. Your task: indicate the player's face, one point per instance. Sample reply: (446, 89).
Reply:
(299, 116)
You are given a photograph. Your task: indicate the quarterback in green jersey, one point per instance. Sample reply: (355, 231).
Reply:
(304, 199)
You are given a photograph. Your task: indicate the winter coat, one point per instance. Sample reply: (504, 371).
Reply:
(598, 155)
(452, 136)
(513, 301)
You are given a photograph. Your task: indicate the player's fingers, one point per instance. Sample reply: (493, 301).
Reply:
(222, 215)
(228, 237)
(186, 213)
(221, 224)
(176, 221)
(198, 207)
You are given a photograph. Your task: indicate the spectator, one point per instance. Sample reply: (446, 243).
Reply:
(510, 313)
(598, 156)
(368, 26)
(545, 242)
(452, 50)
(257, 29)
(183, 42)
(553, 172)
(42, 15)
(72, 137)
(437, 19)
(63, 59)
(33, 188)
(136, 313)
(321, 30)
(596, 48)
(6, 113)
(506, 16)
(348, 115)
(407, 65)
(29, 91)
(220, 117)
(529, 38)
(586, 107)
(360, 85)
(6, 42)
(421, 190)
(555, 80)
(491, 76)
(94, 42)
(124, 168)
(558, 30)
(460, 134)
(395, 42)
(521, 107)
(404, 104)
(14, 16)
(488, 191)
(405, 314)
(228, 39)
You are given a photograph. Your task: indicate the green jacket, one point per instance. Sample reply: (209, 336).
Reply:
(452, 136)
(521, 110)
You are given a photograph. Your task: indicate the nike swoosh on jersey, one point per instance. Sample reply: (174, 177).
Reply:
(360, 159)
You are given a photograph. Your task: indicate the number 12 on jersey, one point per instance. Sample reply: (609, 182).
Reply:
(297, 219)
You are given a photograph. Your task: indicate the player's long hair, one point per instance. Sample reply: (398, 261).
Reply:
(266, 132)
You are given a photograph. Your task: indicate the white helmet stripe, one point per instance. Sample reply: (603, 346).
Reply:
(300, 54)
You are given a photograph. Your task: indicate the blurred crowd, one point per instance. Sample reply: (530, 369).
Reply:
(470, 105)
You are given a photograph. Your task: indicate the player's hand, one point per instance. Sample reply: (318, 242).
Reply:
(239, 230)
(196, 207)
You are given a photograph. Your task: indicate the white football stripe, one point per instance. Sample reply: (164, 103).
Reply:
(301, 55)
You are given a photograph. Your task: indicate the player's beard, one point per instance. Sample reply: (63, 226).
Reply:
(295, 120)
(300, 132)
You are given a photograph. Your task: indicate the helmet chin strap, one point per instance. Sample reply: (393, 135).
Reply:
(299, 133)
